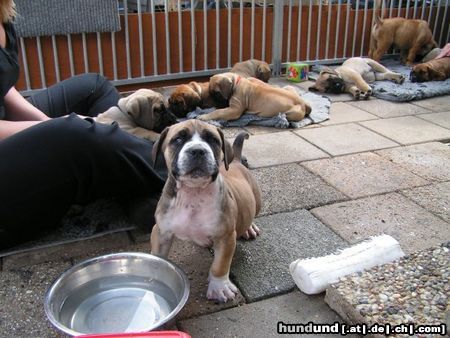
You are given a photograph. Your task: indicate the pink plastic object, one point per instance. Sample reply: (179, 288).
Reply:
(153, 334)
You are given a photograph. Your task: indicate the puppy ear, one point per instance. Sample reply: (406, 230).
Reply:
(263, 72)
(226, 87)
(226, 149)
(135, 106)
(158, 145)
(192, 101)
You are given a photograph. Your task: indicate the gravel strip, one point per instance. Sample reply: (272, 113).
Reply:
(415, 289)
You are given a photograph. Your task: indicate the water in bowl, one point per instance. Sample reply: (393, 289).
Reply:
(117, 304)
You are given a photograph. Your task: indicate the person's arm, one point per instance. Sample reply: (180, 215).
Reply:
(19, 109)
(20, 114)
(8, 128)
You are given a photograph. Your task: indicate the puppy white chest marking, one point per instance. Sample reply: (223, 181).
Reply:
(194, 214)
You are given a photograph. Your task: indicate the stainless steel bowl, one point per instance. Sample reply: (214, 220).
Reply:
(125, 292)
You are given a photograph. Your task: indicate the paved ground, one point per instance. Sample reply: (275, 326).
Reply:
(374, 167)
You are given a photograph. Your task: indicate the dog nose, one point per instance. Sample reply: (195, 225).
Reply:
(412, 77)
(197, 152)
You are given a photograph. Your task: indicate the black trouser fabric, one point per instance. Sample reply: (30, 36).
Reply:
(68, 160)
(87, 94)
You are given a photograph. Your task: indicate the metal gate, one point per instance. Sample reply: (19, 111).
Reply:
(162, 40)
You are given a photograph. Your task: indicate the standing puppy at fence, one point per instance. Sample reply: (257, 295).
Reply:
(413, 37)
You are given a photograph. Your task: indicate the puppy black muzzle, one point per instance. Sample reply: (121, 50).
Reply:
(166, 119)
(336, 85)
(220, 100)
(413, 77)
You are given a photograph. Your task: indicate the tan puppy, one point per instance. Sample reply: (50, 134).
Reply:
(205, 200)
(142, 114)
(254, 97)
(412, 37)
(353, 77)
(434, 70)
(253, 68)
(186, 97)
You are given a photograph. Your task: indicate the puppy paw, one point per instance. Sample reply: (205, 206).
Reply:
(252, 232)
(202, 117)
(400, 79)
(367, 94)
(357, 94)
(221, 289)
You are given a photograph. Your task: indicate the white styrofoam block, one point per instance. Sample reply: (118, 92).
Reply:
(314, 275)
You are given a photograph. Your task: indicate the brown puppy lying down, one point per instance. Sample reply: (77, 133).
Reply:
(186, 97)
(205, 200)
(353, 77)
(255, 97)
(412, 37)
(142, 114)
(253, 68)
(434, 70)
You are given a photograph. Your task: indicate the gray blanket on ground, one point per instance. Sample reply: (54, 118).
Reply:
(320, 109)
(54, 17)
(407, 91)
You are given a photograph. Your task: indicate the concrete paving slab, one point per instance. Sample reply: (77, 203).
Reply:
(338, 97)
(434, 198)
(22, 294)
(255, 130)
(438, 104)
(341, 112)
(195, 261)
(408, 130)
(260, 267)
(386, 109)
(279, 148)
(289, 187)
(340, 139)
(442, 119)
(364, 174)
(429, 160)
(260, 319)
(392, 214)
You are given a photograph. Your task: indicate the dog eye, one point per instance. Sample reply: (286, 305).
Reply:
(180, 138)
(210, 138)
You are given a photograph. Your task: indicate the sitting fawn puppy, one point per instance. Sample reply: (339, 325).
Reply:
(205, 199)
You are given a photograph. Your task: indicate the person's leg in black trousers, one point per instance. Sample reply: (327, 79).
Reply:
(47, 168)
(87, 94)
(68, 160)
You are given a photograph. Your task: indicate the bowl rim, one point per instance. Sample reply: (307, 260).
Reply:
(50, 292)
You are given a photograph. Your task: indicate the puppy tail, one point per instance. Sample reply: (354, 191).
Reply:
(379, 9)
(238, 144)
